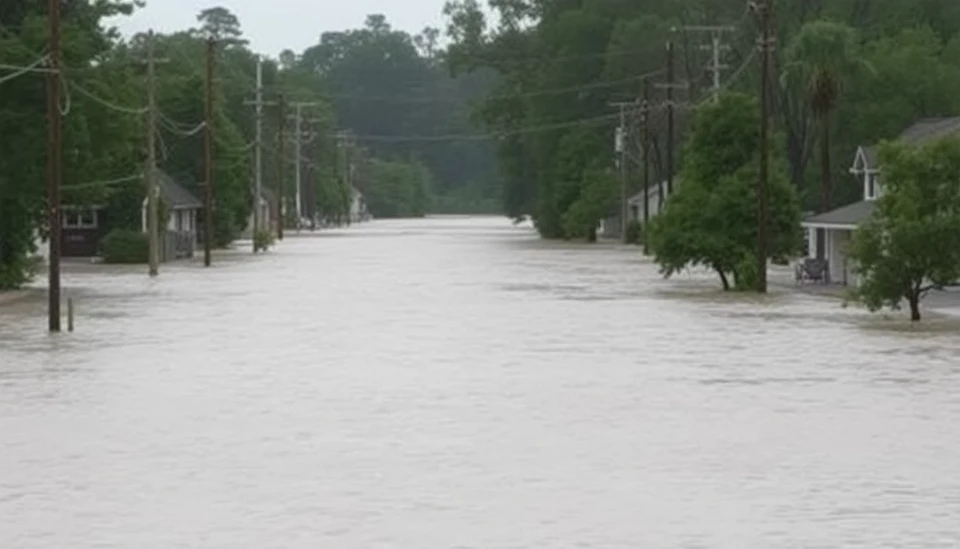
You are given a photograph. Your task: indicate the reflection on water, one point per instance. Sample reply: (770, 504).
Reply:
(458, 383)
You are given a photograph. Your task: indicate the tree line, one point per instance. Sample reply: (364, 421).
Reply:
(847, 73)
(388, 91)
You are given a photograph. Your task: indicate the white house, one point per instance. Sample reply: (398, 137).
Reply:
(610, 227)
(829, 233)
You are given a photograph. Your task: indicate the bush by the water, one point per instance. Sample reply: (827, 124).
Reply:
(123, 246)
(634, 232)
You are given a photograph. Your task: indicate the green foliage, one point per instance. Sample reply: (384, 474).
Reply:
(597, 198)
(634, 232)
(124, 247)
(907, 248)
(395, 189)
(711, 219)
(263, 240)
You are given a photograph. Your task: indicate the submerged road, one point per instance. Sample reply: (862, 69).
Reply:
(457, 383)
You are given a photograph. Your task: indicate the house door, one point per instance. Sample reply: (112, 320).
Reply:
(821, 243)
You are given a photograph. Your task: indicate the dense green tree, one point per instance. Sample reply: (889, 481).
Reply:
(820, 58)
(711, 220)
(907, 248)
(23, 109)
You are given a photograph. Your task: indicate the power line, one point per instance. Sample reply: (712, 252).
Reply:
(493, 97)
(486, 136)
(108, 104)
(104, 182)
(20, 71)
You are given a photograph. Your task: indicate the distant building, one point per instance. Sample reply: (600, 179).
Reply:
(829, 233)
(83, 227)
(610, 227)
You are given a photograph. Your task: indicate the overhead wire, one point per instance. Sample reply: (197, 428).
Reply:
(104, 182)
(20, 71)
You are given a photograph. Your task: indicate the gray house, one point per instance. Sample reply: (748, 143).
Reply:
(829, 233)
(179, 238)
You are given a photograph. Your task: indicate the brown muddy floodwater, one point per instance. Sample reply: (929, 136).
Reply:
(456, 383)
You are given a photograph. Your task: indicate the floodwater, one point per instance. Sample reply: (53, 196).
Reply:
(456, 383)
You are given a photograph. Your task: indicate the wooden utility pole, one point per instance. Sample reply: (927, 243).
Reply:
(208, 154)
(54, 173)
(151, 171)
(670, 86)
(281, 162)
(645, 120)
(764, 11)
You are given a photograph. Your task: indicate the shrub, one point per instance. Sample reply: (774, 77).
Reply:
(634, 232)
(125, 246)
(263, 240)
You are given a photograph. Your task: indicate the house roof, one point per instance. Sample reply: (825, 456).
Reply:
(175, 194)
(921, 132)
(846, 216)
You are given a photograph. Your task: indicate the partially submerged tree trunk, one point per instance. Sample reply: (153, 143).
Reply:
(914, 299)
(723, 279)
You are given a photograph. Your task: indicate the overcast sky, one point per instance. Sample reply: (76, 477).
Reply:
(273, 25)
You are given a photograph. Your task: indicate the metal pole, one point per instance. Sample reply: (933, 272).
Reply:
(54, 175)
(208, 153)
(258, 155)
(152, 221)
(299, 132)
(281, 162)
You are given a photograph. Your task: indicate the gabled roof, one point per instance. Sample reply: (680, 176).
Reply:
(175, 194)
(931, 129)
(847, 216)
(920, 133)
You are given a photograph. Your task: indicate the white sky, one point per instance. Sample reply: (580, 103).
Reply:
(274, 25)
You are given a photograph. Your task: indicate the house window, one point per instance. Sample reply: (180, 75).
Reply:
(79, 219)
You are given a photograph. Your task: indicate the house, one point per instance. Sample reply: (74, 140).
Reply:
(179, 238)
(829, 233)
(610, 227)
(81, 229)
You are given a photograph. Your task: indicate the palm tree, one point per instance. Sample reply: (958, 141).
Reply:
(819, 60)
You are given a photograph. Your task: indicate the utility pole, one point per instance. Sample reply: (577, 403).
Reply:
(764, 10)
(258, 159)
(298, 143)
(670, 86)
(54, 174)
(208, 154)
(151, 171)
(620, 145)
(645, 119)
(258, 104)
(716, 47)
(281, 162)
